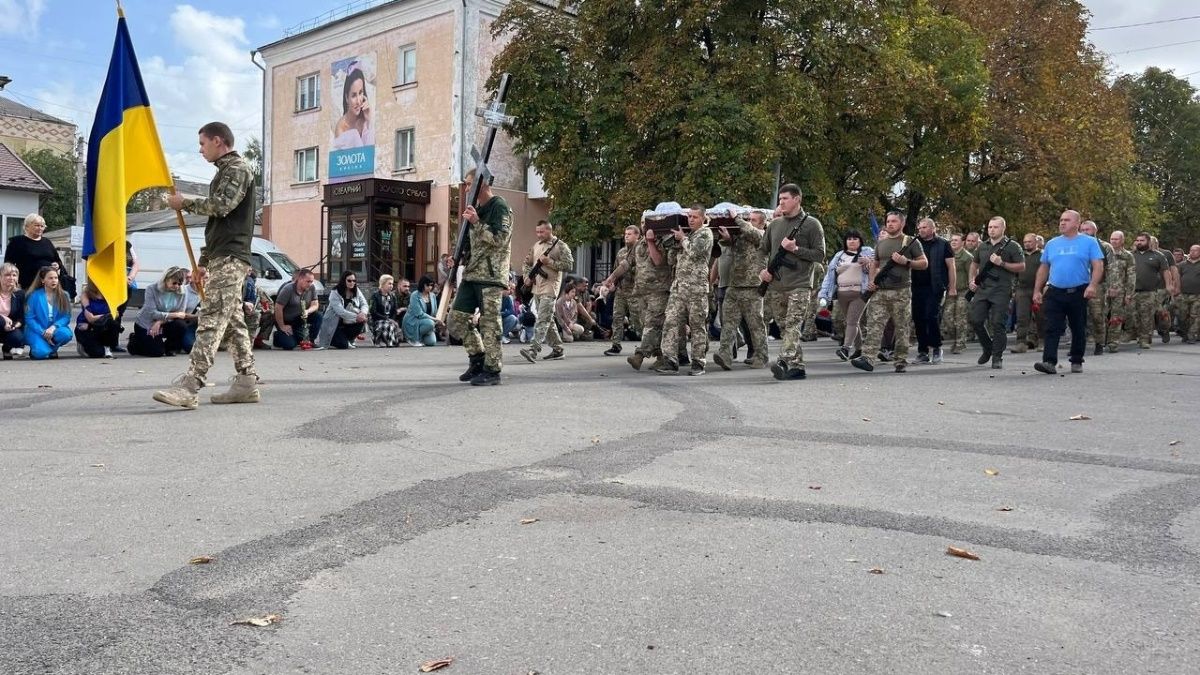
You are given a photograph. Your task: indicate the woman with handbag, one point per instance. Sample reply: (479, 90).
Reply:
(847, 275)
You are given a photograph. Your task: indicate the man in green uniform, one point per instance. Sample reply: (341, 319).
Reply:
(1168, 290)
(1121, 280)
(1150, 270)
(1029, 328)
(1189, 296)
(954, 307)
(1000, 260)
(688, 302)
(742, 301)
(892, 298)
(555, 257)
(624, 304)
(789, 293)
(226, 260)
(484, 278)
(651, 282)
(1098, 305)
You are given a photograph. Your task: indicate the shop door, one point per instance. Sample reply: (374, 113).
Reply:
(420, 250)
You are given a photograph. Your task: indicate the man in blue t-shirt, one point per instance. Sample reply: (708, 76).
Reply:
(1073, 264)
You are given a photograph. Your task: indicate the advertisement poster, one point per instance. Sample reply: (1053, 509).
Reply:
(358, 244)
(352, 144)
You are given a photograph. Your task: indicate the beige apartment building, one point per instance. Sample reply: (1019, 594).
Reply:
(369, 124)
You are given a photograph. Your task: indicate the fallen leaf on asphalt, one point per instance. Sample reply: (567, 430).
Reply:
(141, 371)
(97, 466)
(200, 560)
(1173, 443)
(814, 487)
(961, 553)
(941, 403)
(528, 521)
(259, 621)
(1004, 508)
(45, 386)
(595, 439)
(944, 615)
(992, 472)
(435, 664)
(851, 559)
(875, 570)
(1076, 418)
(866, 419)
(301, 368)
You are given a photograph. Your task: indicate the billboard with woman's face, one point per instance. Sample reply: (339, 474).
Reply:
(352, 148)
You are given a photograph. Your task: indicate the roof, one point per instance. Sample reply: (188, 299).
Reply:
(10, 108)
(15, 174)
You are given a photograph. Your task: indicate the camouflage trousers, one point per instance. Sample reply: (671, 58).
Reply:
(222, 318)
(690, 310)
(624, 304)
(1189, 315)
(484, 339)
(791, 309)
(1029, 327)
(545, 330)
(810, 321)
(955, 324)
(1097, 316)
(1145, 305)
(892, 304)
(654, 310)
(743, 304)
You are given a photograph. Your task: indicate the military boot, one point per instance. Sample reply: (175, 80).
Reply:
(242, 389)
(486, 378)
(475, 367)
(723, 361)
(636, 360)
(182, 394)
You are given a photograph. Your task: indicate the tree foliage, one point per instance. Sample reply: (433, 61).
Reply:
(1166, 135)
(58, 170)
(962, 110)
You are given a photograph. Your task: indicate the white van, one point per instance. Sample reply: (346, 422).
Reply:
(157, 251)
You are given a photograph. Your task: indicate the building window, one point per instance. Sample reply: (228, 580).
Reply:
(406, 65)
(308, 92)
(404, 149)
(306, 165)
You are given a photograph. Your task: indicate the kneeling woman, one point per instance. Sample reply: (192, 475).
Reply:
(420, 326)
(166, 325)
(47, 316)
(96, 331)
(12, 312)
(346, 317)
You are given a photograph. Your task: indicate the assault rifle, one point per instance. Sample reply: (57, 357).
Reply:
(987, 267)
(526, 290)
(886, 269)
(780, 258)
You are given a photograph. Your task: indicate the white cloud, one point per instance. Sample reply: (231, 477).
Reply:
(20, 17)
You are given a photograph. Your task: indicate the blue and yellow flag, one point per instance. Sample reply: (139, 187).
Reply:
(124, 156)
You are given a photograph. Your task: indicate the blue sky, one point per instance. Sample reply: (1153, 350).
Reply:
(195, 57)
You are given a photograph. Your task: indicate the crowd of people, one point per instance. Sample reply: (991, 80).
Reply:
(871, 296)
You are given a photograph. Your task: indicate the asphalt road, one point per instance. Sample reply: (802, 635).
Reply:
(728, 523)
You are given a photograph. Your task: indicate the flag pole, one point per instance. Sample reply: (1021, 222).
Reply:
(197, 282)
(120, 10)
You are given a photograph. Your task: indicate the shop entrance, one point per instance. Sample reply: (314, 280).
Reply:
(375, 227)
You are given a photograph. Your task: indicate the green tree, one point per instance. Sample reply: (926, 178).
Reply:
(1166, 122)
(254, 155)
(58, 170)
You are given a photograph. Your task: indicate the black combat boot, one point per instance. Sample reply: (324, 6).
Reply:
(475, 368)
(486, 378)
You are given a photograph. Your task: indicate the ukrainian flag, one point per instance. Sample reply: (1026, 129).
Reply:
(124, 156)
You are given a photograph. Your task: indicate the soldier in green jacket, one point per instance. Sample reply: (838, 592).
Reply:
(485, 276)
(789, 293)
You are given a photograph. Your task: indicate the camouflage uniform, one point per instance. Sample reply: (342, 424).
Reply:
(742, 301)
(545, 291)
(484, 279)
(1097, 306)
(650, 285)
(1029, 324)
(954, 307)
(810, 322)
(1146, 297)
(688, 302)
(1119, 280)
(1189, 299)
(624, 304)
(790, 293)
(892, 301)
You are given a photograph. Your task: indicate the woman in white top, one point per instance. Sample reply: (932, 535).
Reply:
(848, 274)
(346, 317)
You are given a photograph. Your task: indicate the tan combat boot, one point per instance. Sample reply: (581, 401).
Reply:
(242, 389)
(182, 394)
